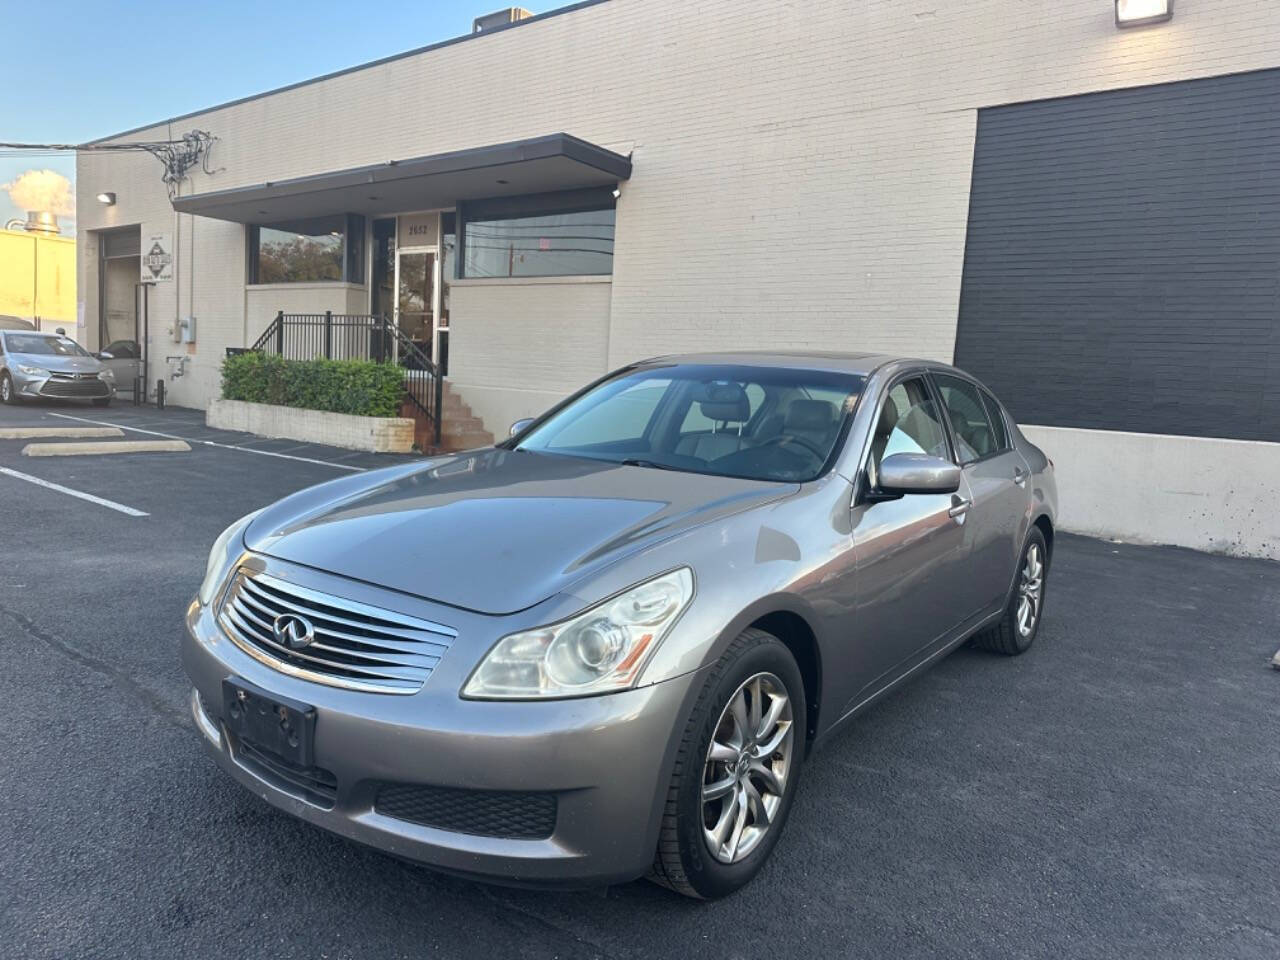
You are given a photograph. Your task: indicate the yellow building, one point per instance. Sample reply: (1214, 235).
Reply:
(38, 278)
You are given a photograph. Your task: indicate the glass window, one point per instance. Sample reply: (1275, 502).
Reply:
(996, 414)
(908, 423)
(530, 237)
(308, 251)
(35, 344)
(969, 423)
(758, 423)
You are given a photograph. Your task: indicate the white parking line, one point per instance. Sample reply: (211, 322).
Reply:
(211, 443)
(110, 504)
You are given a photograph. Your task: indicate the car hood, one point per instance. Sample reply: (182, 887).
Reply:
(495, 531)
(59, 364)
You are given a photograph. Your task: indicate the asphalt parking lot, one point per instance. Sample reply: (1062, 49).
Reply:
(1113, 793)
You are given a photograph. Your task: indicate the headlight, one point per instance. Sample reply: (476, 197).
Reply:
(106, 374)
(32, 371)
(225, 549)
(600, 650)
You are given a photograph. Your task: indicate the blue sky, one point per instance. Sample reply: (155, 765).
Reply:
(113, 66)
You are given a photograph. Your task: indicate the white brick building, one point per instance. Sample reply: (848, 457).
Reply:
(800, 176)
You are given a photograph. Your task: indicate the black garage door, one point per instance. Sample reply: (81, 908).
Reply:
(1122, 267)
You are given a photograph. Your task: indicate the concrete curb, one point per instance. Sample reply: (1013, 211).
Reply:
(122, 446)
(33, 433)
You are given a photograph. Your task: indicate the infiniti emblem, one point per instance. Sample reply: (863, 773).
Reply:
(293, 631)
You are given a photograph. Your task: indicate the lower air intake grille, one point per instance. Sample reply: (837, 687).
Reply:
(314, 784)
(484, 813)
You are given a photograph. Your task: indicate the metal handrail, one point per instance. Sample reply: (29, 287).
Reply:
(309, 336)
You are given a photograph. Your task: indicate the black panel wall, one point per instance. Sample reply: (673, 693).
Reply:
(1122, 267)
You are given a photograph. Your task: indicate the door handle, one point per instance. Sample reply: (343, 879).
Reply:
(1019, 476)
(959, 506)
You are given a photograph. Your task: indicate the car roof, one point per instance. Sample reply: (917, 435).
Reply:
(832, 361)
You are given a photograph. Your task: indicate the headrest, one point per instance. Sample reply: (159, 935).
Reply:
(888, 418)
(810, 414)
(725, 402)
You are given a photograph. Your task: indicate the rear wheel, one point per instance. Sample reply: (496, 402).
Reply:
(1017, 629)
(736, 771)
(7, 392)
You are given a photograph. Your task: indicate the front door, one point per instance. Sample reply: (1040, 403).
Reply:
(912, 577)
(416, 305)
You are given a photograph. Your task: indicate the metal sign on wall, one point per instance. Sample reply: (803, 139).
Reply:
(157, 258)
(419, 230)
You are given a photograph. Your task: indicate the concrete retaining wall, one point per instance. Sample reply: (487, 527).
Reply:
(372, 434)
(1217, 495)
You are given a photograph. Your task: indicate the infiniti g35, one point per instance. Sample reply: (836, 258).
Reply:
(605, 647)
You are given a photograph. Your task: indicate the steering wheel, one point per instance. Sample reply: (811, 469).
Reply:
(808, 445)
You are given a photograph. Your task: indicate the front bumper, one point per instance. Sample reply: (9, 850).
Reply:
(606, 761)
(63, 387)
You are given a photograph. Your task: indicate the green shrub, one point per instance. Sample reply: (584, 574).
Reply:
(360, 387)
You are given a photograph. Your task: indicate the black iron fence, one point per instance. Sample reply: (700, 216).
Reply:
(339, 336)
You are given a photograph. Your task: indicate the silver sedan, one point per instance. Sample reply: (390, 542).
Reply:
(605, 648)
(35, 365)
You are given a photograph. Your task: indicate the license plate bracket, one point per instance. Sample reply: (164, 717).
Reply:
(270, 722)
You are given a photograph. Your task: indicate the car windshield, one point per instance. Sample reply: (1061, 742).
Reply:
(758, 423)
(39, 345)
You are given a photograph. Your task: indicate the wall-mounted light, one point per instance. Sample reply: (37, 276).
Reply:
(108, 198)
(616, 193)
(1139, 13)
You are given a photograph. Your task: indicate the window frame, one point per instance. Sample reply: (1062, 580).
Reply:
(354, 251)
(996, 411)
(527, 206)
(955, 448)
(867, 492)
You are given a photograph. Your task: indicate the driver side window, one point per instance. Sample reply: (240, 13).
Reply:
(908, 423)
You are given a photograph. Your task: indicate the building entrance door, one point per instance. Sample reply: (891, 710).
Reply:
(417, 303)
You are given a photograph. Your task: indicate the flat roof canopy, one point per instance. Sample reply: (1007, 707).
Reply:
(540, 165)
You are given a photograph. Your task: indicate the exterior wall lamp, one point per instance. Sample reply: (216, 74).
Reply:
(107, 198)
(1140, 13)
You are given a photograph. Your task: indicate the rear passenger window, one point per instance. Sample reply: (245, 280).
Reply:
(968, 417)
(997, 421)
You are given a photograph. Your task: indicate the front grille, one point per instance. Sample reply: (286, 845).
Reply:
(74, 385)
(355, 645)
(485, 813)
(313, 784)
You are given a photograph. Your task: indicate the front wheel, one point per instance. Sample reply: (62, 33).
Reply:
(7, 392)
(736, 770)
(102, 402)
(1017, 629)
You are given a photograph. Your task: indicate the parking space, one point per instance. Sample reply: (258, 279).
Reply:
(1114, 792)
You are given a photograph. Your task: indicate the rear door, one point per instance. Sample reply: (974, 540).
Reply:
(997, 480)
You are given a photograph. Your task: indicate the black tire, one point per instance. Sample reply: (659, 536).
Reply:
(7, 391)
(102, 402)
(684, 861)
(1006, 636)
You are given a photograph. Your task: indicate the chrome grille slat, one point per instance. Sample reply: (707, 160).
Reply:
(265, 585)
(375, 657)
(354, 645)
(389, 646)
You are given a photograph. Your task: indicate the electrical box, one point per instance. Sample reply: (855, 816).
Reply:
(187, 330)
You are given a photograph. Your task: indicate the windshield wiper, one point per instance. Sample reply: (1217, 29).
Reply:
(633, 462)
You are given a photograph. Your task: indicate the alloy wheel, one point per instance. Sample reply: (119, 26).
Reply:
(1030, 587)
(747, 768)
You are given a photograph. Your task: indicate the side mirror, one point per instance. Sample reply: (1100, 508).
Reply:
(105, 356)
(918, 473)
(520, 425)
